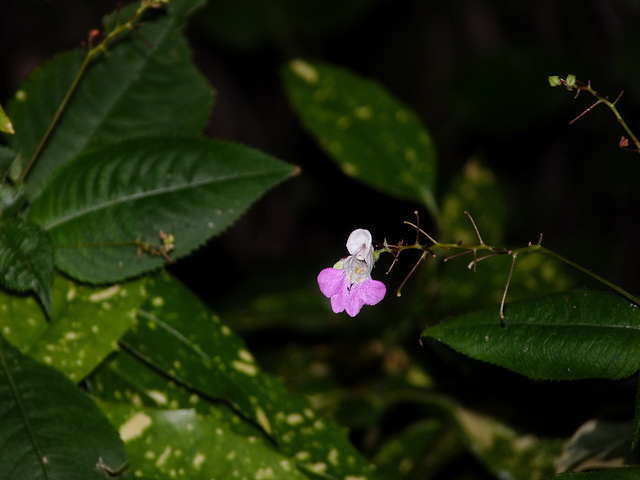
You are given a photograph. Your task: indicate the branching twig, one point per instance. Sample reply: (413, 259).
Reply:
(572, 84)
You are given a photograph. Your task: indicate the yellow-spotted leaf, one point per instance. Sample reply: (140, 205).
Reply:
(370, 134)
(161, 443)
(179, 335)
(84, 328)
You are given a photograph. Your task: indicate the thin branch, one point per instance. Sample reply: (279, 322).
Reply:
(91, 54)
(506, 288)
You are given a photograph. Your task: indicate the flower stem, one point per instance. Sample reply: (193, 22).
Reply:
(635, 299)
(614, 110)
(395, 250)
(573, 84)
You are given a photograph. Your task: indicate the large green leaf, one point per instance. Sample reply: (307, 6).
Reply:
(160, 442)
(146, 84)
(87, 325)
(371, 135)
(99, 205)
(127, 380)
(50, 428)
(179, 335)
(84, 326)
(572, 335)
(26, 260)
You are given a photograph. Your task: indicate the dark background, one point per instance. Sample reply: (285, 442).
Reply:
(476, 73)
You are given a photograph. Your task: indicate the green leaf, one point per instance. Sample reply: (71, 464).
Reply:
(179, 335)
(599, 444)
(474, 190)
(174, 320)
(7, 157)
(87, 325)
(506, 452)
(105, 210)
(127, 380)
(145, 84)
(565, 336)
(371, 135)
(425, 446)
(84, 326)
(5, 122)
(12, 199)
(50, 428)
(23, 320)
(162, 442)
(26, 260)
(629, 473)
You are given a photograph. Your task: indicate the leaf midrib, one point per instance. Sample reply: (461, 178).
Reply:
(109, 203)
(22, 409)
(191, 346)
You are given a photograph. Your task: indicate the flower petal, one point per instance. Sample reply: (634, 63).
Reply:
(340, 301)
(357, 239)
(350, 287)
(331, 281)
(354, 303)
(367, 292)
(372, 291)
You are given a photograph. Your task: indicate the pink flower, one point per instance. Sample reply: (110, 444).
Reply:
(349, 284)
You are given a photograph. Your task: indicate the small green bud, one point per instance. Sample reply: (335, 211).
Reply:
(571, 80)
(554, 80)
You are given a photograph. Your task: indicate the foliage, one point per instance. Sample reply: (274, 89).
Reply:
(113, 367)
